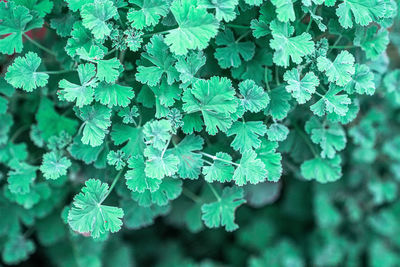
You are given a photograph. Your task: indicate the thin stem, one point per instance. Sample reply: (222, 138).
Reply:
(342, 47)
(111, 51)
(113, 184)
(266, 78)
(57, 71)
(208, 162)
(134, 122)
(309, 24)
(28, 232)
(166, 146)
(214, 192)
(18, 132)
(39, 45)
(306, 140)
(153, 33)
(216, 158)
(277, 76)
(242, 36)
(122, 56)
(189, 194)
(81, 128)
(337, 40)
(237, 26)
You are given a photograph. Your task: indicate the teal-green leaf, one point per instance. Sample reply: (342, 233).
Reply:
(190, 162)
(222, 212)
(250, 169)
(23, 73)
(247, 135)
(322, 170)
(88, 215)
(96, 120)
(196, 27)
(96, 15)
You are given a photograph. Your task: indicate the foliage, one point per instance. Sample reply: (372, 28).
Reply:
(199, 132)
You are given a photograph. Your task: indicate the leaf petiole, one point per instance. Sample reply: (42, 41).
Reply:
(39, 45)
(217, 196)
(113, 184)
(216, 158)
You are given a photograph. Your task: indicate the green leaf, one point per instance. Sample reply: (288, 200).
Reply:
(96, 120)
(133, 39)
(83, 93)
(391, 147)
(271, 159)
(392, 84)
(83, 152)
(190, 162)
(162, 63)
(14, 22)
(327, 215)
(322, 170)
(374, 42)
(23, 73)
(220, 170)
(130, 136)
(279, 103)
(330, 136)
(254, 98)
(80, 38)
(277, 132)
(147, 13)
(7, 122)
(191, 123)
(136, 180)
(301, 88)
(169, 189)
(284, 10)
(364, 12)
(128, 115)
(232, 52)
(117, 159)
(96, 15)
(362, 81)
(246, 135)
(286, 46)
(331, 102)
(224, 9)
(188, 66)
(137, 217)
(167, 94)
(340, 70)
(196, 27)
(43, 7)
(54, 165)
(108, 70)
(253, 2)
(88, 215)
(157, 133)
(160, 163)
(17, 249)
(113, 94)
(222, 212)
(50, 123)
(250, 170)
(215, 98)
(75, 5)
(21, 177)
(260, 27)
(64, 24)
(350, 115)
